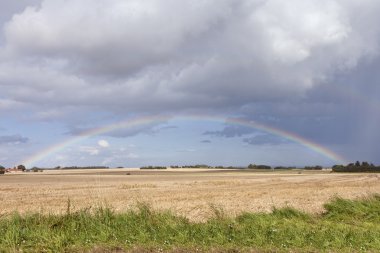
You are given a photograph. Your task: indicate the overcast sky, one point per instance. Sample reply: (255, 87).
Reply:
(305, 67)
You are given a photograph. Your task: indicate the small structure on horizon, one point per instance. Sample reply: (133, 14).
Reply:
(16, 169)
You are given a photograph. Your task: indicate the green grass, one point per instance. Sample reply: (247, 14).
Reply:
(346, 226)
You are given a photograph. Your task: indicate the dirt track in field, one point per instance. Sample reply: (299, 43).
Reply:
(185, 192)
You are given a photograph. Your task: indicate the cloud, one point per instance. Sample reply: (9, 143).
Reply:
(130, 54)
(167, 128)
(9, 8)
(122, 131)
(323, 23)
(231, 131)
(187, 150)
(295, 65)
(265, 139)
(7, 105)
(103, 143)
(13, 139)
(206, 141)
(89, 150)
(132, 156)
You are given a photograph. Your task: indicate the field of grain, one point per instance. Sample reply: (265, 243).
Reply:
(192, 193)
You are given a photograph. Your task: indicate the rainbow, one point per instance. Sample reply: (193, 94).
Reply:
(160, 119)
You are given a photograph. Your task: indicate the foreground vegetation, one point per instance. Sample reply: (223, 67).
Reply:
(346, 226)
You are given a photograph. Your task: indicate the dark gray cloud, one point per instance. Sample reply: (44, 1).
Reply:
(13, 139)
(128, 54)
(206, 141)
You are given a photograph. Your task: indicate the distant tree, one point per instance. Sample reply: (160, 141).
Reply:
(357, 167)
(313, 167)
(338, 168)
(2, 170)
(153, 168)
(21, 167)
(261, 167)
(365, 164)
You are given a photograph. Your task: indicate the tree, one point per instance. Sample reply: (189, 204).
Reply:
(21, 167)
(2, 170)
(261, 167)
(252, 166)
(365, 164)
(357, 167)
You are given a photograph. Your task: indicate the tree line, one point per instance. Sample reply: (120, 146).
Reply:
(153, 168)
(267, 167)
(356, 167)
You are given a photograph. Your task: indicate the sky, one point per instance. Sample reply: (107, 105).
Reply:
(165, 82)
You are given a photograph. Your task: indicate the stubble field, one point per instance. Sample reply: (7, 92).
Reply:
(191, 193)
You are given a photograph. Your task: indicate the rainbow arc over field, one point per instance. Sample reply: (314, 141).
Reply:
(161, 119)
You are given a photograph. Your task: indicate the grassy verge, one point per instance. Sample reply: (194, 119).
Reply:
(346, 226)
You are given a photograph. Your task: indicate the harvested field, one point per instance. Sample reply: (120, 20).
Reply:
(192, 193)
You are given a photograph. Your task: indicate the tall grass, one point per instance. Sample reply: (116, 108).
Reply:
(346, 226)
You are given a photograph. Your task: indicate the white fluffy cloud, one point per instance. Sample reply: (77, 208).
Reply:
(103, 143)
